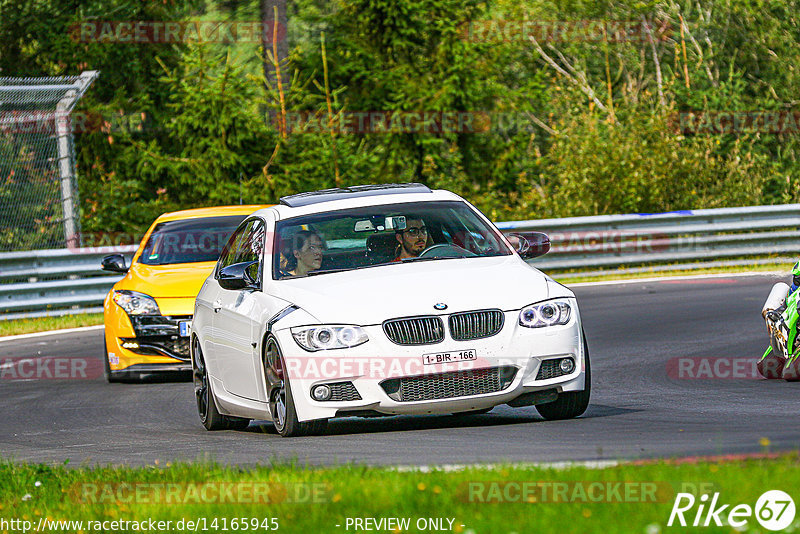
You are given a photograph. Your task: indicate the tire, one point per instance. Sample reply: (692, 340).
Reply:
(791, 373)
(281, 402)
(574, 403)
(771, 366)
(204, 396)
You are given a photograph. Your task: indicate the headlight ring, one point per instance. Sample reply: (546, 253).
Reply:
(326, 337)
(549, 313)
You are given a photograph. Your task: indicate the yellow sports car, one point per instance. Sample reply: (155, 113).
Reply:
(147, 314)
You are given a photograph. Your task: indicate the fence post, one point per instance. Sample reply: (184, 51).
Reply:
(28, 117)
(66, 157)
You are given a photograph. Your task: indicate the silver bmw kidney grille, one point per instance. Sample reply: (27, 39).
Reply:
(475, 324)
(415, 330)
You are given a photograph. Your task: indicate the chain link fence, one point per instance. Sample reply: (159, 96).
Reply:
(38, 189)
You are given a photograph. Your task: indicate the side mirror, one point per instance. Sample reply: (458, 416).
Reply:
(530, 244)
(238, 276)
(114, 263)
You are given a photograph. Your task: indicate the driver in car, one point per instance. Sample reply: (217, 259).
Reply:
(412, 240)
(305, 254)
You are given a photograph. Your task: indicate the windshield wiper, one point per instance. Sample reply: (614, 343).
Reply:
(326, 271)
(429, 258)
(404, 260)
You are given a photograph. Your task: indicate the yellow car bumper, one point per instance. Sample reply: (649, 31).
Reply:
(148, 343)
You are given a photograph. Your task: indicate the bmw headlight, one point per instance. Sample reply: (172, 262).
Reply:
(550, 313)
(136, 303)
(324, 337)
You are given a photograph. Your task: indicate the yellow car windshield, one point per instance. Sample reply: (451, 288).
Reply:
(189, 240)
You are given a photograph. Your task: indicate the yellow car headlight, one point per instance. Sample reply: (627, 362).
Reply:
(136, 303)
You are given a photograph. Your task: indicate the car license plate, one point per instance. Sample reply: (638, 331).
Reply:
(449, 357)
(183, 328)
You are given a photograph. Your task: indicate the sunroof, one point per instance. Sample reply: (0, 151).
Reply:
(339, 193)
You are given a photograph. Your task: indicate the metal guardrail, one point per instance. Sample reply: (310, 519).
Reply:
(58, 282)
(55, 282)
(610, 241)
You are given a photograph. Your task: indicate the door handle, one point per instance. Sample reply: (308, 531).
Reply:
(217, 306)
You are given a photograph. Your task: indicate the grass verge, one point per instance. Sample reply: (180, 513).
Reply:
(621, 499)
(42, 324)
(621, 274)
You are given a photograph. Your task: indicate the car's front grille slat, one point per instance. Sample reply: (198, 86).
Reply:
(465, 326)
(550, 369)
(424, 330)
(159, 335)
(449, 385)
(343, 392)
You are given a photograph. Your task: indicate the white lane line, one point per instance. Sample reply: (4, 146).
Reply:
(589, 464)
(668, 278)
(52, 333)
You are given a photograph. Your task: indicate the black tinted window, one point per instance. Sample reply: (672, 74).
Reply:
(367, 237)
(188, 241)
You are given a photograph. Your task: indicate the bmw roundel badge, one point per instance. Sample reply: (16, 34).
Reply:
(440, 306)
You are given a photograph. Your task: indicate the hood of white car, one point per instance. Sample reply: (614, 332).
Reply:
(373, 295)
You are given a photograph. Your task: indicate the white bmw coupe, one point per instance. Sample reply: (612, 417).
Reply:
(381, 300)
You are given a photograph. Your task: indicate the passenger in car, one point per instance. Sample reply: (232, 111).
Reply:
(306, 249)
(413, 239)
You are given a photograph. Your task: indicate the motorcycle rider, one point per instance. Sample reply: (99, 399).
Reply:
(776, 301)
(776, 362)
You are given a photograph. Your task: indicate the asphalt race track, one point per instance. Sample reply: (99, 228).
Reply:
(641, 406)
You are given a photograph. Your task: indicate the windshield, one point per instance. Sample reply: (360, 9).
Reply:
(189, 240)
(380, 235)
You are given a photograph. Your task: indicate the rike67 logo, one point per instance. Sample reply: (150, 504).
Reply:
(774, 510)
